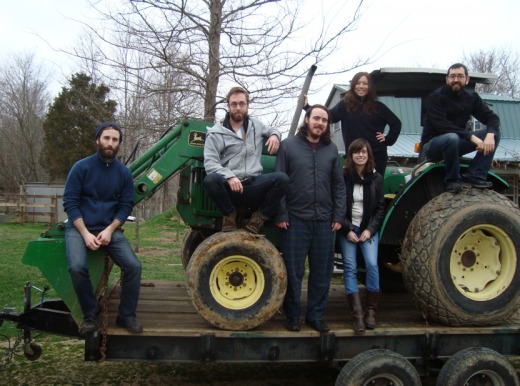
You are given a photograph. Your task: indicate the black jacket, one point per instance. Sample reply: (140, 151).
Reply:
(373, 202)
(316, 190)
(449, 112)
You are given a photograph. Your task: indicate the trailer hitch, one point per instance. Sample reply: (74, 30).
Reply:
(31, 350)
(27, 295)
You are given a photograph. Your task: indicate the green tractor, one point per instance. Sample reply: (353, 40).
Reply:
(458, 255)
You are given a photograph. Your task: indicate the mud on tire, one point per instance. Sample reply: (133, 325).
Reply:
(460, 258)
(191, 241)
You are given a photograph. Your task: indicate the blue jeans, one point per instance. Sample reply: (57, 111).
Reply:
(123, 256)
(263, 191)
(349, 253)
(313, 240)
(450, 147)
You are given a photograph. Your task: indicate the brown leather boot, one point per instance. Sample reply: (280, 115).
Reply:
(371, 309)
(354, 301)
(256, 222)
(229, 222)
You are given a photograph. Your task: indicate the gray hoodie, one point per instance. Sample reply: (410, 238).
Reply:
(229, 155)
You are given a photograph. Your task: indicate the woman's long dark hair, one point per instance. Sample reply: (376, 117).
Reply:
(354, 102)
(355, 147)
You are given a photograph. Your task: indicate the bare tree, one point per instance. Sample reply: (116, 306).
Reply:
(150, 97)
(211, 44)
(23, 103)
(502, 62)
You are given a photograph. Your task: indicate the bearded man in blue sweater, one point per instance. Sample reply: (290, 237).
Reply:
(98, 198)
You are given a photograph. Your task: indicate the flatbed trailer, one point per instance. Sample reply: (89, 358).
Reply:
(402, 346)
(175, 332)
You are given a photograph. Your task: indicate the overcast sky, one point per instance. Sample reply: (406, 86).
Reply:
(400, 33)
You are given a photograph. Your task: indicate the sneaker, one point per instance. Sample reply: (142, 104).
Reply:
(87, 325)
(229, 222)
(476, 182)
(454, 187)
(256, 222)
(131, 325)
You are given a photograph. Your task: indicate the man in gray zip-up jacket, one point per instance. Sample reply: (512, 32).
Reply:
(232, 154)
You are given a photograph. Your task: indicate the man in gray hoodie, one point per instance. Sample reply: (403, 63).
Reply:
(232, 154)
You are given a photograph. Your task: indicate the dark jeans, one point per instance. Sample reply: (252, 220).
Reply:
(263, 191)
(123, 256)
(381, 158)
(450, 147)
(313, 240)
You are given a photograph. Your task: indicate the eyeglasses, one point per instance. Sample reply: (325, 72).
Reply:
(362, 151)
(238, 104)
(456, 76)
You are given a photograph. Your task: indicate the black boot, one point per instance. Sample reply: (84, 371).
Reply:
(371, 309)
(354, 301)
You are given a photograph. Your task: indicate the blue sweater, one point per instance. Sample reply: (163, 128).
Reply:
(99, 192)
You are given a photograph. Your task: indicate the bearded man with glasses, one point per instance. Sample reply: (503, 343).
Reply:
(232, 154)
(446, 136)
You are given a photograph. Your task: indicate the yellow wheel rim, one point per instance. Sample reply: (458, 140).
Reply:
(483, 262)
(237, 282)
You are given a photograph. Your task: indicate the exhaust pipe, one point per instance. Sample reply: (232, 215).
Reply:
(299, 106)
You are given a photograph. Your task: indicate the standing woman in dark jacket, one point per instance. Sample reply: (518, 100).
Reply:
(365, 213)
(363, 116)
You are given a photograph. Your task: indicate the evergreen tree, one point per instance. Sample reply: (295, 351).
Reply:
(70, 124)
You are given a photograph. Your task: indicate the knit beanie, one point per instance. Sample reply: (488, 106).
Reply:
(113, 125)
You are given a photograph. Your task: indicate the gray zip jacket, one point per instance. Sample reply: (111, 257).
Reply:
(229, 155)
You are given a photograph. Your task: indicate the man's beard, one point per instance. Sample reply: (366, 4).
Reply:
(107, 152)
(460, 86)
(237, 117)
(315, 135)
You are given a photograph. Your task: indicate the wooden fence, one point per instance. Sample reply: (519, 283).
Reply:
(30, 207)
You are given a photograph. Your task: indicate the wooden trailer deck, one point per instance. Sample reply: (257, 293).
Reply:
(174, 331)
(164, 308)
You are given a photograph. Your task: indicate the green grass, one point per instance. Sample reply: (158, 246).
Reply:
(159, 246)
(14, 274)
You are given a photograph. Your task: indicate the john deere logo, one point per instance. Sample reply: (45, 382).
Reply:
(197, 138)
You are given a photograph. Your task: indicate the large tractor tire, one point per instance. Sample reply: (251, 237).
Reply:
(236, 280)
(460, 258)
